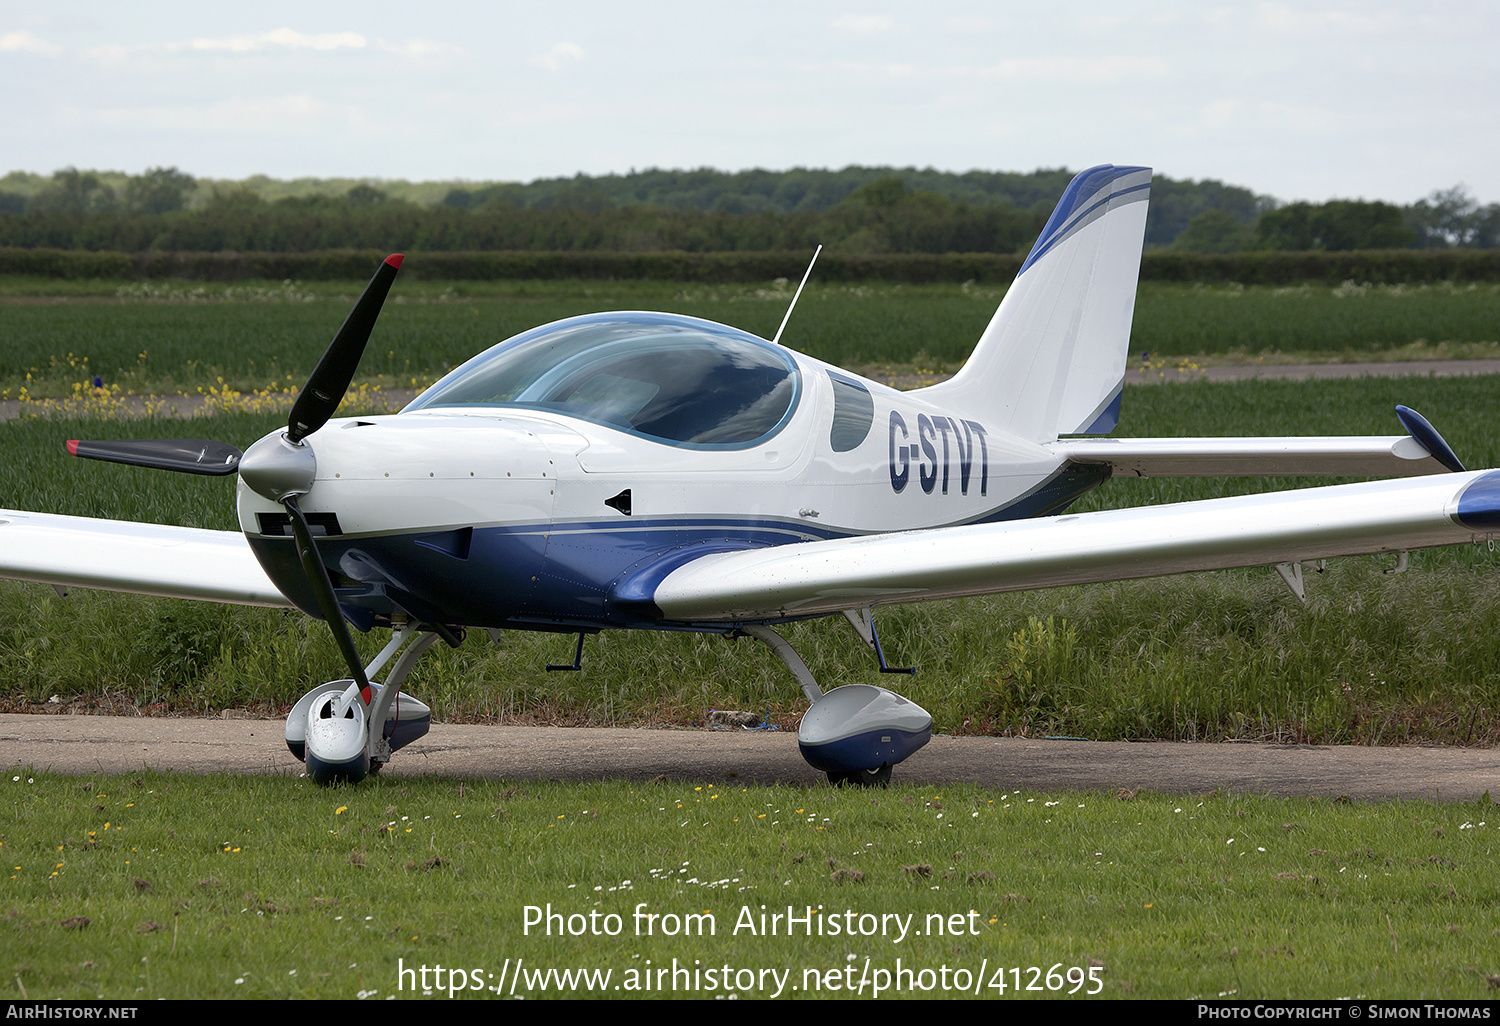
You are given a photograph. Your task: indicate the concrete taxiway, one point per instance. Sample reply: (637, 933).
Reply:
(111, 744)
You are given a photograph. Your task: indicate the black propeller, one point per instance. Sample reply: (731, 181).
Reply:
(188, 455)
(317, 401)
(330, 378)
(280, 468)
(328, 603)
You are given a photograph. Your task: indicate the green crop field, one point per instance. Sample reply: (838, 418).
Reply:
(182, 337)
(1347, 322)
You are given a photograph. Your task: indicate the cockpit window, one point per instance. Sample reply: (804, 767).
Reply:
(674, 379)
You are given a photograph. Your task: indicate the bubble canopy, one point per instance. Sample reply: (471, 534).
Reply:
(674, 379)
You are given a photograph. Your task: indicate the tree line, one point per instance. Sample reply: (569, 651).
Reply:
(856, 211)
(1447, 219)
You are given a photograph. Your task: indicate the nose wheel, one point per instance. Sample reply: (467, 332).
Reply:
(333, 728)
(337, 749)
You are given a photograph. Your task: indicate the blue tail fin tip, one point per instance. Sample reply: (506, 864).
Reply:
(1086, 197)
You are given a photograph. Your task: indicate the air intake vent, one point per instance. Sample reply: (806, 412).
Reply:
(279, 525)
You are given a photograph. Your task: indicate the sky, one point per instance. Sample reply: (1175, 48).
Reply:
(1310, 100)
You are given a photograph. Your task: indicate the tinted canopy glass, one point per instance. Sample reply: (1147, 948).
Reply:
(675, 379)
(853, 413)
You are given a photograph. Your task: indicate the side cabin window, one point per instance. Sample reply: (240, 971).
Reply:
(673, 379)
(853, 413)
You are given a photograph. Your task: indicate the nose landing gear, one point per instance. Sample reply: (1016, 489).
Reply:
(331, 728)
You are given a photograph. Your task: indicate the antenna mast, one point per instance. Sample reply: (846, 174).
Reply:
(806, 274)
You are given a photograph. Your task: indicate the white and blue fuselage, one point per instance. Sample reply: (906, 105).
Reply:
(554, 480)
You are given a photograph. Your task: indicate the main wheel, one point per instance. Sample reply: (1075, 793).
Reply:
(863, 778)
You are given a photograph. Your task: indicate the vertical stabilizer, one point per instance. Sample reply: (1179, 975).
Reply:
(1052, 361)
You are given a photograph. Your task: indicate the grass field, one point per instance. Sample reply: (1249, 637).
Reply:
(157, 886)
(182, 338)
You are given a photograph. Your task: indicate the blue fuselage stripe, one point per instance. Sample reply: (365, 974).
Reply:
(581, 573)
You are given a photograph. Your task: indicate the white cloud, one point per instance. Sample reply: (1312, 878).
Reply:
(1317, 121)
(1219, 113)
(889, 70)
(1302, 21)
(417, 49)
(286, 38)
(25, 42)
(1103, 22)
(557, 58)
(863, 24)
(421, 48)
(1086, 70)
(546, 114)
(1071, 69)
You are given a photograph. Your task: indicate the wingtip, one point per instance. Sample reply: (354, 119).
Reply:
(73, 447)
(395, 260)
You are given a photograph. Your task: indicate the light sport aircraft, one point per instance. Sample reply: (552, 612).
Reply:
(660, 472)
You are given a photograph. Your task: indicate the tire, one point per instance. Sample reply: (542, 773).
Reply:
(863, 778)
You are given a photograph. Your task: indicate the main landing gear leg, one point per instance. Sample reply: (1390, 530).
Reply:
(332, 727)
(854, 733)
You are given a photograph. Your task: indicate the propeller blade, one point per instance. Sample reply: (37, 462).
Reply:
(330, 378)
(187, 455)
(322, 586)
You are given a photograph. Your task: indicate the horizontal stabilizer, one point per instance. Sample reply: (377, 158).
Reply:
(1421, 451)
(1352, 456)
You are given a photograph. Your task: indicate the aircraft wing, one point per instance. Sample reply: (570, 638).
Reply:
(1250, 530)
(148, 559)
(1338, 456)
